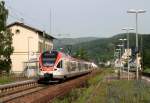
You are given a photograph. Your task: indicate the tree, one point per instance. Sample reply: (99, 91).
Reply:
(81, 54)
(146, 57)
(6, 48)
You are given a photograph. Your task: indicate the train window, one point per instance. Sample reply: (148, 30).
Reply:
(59, 65)
(86, 66)
(49, 58)
(80, 66)
(73, 66)
(69, 66)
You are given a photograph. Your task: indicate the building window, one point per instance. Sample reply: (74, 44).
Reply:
(48, 47)
(40, 44)
(17, 31)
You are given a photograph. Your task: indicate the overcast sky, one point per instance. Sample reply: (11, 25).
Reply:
(80, 18)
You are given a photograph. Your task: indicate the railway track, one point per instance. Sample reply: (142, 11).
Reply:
(18, 89)
(44, 94)
(32, 92)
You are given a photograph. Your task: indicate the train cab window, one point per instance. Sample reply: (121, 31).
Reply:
(49, 58)
(59, 65)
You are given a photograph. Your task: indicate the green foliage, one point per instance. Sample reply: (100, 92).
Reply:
(119, 91)
(5, 79)
(6, 48)
(146, 58)
(102, 49)
(146, 52)
(127, 92)
(81, 54)
(146, 70)
(82, 94)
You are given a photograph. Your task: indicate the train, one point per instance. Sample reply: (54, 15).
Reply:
(56, 66)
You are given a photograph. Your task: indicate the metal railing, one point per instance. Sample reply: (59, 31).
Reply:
(13, 76)
(15, 87)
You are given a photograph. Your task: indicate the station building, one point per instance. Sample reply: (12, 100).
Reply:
(28, 42)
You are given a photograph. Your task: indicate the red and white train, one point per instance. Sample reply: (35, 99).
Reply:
(57, 66)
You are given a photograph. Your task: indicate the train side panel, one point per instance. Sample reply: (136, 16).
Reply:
(63, 66)
(75, 68)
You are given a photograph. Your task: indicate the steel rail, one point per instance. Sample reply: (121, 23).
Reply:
(16, 87)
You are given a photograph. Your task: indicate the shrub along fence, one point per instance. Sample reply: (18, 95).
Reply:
(13, 76)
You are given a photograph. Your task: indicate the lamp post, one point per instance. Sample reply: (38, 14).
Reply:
(127, 32)
(116, 55)
(123, 50)
(123, 44)
(119, 51)
(136, 12)
(120, 46)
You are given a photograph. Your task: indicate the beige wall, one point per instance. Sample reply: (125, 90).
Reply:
(21, 41)
(48, 43)
(18, 60)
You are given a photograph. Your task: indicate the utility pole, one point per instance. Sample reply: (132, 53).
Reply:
(50, 23)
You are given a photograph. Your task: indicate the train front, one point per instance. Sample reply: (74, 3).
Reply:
(48, 62)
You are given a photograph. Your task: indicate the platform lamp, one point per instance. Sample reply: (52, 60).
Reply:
(136, 12)
(119, 51)
(128, 47)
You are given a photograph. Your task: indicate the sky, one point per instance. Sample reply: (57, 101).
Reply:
(80, 18)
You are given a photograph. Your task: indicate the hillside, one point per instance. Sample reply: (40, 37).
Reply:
(102, 49)
(72, 41)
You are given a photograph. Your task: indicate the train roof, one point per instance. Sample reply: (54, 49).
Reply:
(67, 56)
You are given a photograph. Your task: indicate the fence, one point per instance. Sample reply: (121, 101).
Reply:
(14, 76)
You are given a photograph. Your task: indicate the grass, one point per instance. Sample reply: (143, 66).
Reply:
(80, 95)
(123, 91)
(147, 70)
(5, 79)
(118, 91)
